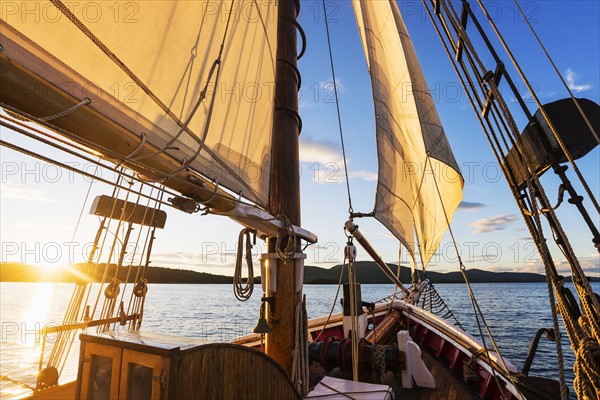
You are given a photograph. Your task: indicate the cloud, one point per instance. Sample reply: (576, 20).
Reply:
(525, 239)
(364, 175)
(12, 191)
(383, 234)
(467, 205)
(492, 224)
(570, 78)
(328, 85)
(590, 265)
(304, 104)
(541, 94)
(331, 162)
(319, 151)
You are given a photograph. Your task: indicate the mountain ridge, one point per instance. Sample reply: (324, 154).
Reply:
(367, 273)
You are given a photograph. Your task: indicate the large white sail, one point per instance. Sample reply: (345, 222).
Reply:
(171, 47)
(415, 159)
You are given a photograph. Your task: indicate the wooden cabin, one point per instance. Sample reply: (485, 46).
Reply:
(141, 365)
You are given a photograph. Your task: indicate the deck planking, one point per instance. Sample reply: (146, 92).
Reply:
(449, 385)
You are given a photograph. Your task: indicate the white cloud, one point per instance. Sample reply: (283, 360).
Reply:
(10, 190)
(570, 78)
(540, 95)
(364, 175)
(468, 205)
(215, 256)
(384, 234)
(328, 85)
(312, 151)
(331, 162)
(493, 224)
(590, 265)
(305, 104)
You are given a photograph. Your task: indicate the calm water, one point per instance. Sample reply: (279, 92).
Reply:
(211, 313)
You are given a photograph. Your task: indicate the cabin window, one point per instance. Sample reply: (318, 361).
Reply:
(139, 383)
(100, 378)
(141, 376)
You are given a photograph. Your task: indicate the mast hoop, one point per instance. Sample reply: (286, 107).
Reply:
(294, 68)
(294, 113)
(302, 35)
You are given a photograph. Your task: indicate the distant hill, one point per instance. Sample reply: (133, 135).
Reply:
(367, 272)
(15, 272)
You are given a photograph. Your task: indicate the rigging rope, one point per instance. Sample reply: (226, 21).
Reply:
(337, 106)
(393, 296)
(113, 57)
(80, 296)
(583, 115)
(81, 26)
(243, 291)
(541, 109)
(434, 303)
(137, 241)
(337, 293)
(16, 382)
(68, 111)
(350, 254)
(85, 200)
(32, 132)
(105, 151)
(300, 373)
(68, 167)
(476, 310)
(518, 197)
(78, 314)
(553, 309)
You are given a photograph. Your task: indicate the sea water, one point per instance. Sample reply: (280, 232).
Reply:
(210, 313)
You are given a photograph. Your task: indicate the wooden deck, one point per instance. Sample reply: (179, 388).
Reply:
(450, 385)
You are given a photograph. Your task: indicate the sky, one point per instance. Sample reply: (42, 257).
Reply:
(40, 204)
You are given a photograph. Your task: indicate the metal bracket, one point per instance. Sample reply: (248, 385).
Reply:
(162, 378)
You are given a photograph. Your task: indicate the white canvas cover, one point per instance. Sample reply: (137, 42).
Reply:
(333, 388)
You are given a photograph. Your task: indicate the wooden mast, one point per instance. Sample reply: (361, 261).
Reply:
(285, 186)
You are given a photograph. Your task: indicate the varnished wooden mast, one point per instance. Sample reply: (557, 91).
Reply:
(285, 185)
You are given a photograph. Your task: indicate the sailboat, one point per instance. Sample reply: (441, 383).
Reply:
(177, 145)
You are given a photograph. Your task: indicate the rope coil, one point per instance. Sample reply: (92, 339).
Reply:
(300, 372)
(286, 234)
(243, 291)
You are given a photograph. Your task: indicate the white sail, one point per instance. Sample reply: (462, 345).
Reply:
(170, 46)
(415, 159)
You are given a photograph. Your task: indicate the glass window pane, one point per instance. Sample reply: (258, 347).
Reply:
(139, 382)
(100, 377)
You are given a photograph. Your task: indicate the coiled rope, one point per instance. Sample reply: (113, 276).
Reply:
(286, 234)
(243, 291)
(300, 373)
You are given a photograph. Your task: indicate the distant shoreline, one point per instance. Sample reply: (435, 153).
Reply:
(367, 273)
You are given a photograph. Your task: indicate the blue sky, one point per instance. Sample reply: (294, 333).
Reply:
(40, 204)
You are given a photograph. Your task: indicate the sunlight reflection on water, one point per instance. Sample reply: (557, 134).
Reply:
(211, 313)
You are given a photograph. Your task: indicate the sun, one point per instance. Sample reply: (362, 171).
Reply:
(47, 271)
(49, 267)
